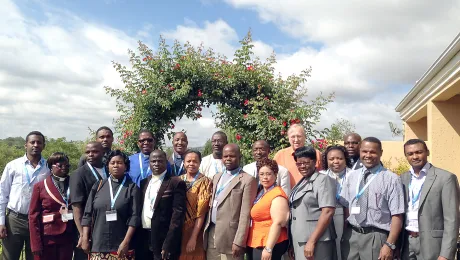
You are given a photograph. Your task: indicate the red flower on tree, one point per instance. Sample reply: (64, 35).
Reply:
(122, 141)
(144, 91)
(250, 68)
(200, 93)
(271, 118)
(266, 98)
(245, 116)
(246, 102)
(238, 137)
(283, 132)
(177, 67)
(172, 126)
(284, 123)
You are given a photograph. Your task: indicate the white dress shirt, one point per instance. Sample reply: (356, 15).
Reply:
(415, 188)
(210, 166)
(15, 190)
(283, 179)
(149, 200)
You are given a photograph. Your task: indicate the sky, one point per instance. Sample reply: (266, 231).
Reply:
(55, 55)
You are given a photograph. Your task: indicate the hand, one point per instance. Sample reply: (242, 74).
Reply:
(266, 255)
(38, 253)
(191, 245)
(122, 249)
(442, 258)
(3, 232)
(85, 245)
(291, 253)
(386, 253)
(309, 250)
(165, 254)
(79, 242)
(237, 251)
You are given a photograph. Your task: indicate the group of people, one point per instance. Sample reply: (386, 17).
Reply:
(304, 204)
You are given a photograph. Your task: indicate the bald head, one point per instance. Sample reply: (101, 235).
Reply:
(296, 134)
(352, 141)
(231, 156)
(260, 150)
(180, 143)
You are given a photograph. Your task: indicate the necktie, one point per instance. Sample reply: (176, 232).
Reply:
(363, 200)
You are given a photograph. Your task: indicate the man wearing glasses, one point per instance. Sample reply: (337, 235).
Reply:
(139, 162)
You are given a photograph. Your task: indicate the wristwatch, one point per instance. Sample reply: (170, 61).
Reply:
(269, 250)
(390, 245)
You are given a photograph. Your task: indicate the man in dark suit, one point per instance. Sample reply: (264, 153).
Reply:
(163, 212)
(432, 204)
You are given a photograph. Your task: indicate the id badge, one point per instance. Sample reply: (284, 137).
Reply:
(48, 218)
(69, 215)
(214, 204)
(111, 215)
(63, 211)
(355, 210)
(412, 215)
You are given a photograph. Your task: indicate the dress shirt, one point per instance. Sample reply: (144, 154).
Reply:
(226, 176)
(210, 166)
(151, 195)
(415, 187)
(15, 191)
(135, 170)
(385, 197)
(282, 178)
(178, 164)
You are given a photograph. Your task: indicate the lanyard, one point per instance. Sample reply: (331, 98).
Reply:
(180, 169)
(222, 187)
(194, 178)
(94, 172)
(262, 194)
(65, 199)
(113, 199)
(142, 167)
(359, 193)
(152, 199)
(41, 163)
(414, 198)
(339, 182)
(215, 166)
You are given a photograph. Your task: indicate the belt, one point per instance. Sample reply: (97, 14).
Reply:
(366, 230)
(17, 214)
(413, 234)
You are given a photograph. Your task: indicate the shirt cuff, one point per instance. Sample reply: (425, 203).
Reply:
(134, 221)
(86, 222)
(2, 220)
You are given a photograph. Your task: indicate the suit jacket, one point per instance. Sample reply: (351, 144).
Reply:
(233, 212)
(41, 204)
(169, 214)
(438, 214)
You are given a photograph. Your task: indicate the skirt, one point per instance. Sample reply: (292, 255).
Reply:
(111, 256)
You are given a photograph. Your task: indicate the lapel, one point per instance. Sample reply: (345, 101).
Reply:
(429, 180)
(53, 189)
(146, 185)
(163, 187)
(406, 177)
(306, 186)
(231, 185)
(214, 186)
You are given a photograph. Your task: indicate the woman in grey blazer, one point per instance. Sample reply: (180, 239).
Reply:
(336, 164)
(312, 205)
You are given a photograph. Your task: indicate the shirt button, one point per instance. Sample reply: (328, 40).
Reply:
(293, 218)
(295, 207)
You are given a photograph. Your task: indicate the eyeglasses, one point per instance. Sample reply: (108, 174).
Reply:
(300, 164)
(62, 166)
(148, 140)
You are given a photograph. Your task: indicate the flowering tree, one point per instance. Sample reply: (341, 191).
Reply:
(178, 81)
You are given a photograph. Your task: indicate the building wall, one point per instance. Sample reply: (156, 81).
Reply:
(416, 129)
(393, 152)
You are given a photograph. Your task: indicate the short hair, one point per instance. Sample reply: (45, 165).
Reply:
(163, 153)
(35, 133)
(115, 153)
(56, 158)
(192, 151)
(272, 164)
(94, 143)
(337, 148)
(374, 140)
(146, 131)
(104, 128)
(221, 133)
(305, 152)
(415, 141)
(296, 126)
(351, 134)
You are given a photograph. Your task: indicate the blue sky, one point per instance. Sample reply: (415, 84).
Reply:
(369, 54)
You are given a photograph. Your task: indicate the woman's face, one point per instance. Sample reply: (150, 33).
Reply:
(266, 177)
(192, 163)
(306, 166)
(336, 161)
(117, 166)
(61, 169)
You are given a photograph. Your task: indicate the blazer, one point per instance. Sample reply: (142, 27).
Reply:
(438, 214)
(41, 204)
(233, 212)
(169, 214)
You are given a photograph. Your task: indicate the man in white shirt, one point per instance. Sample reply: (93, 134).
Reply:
(19, 176)
(212, 164)
(260, 150)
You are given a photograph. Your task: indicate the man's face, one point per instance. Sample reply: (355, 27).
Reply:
(146, 143)
(352, 143)
(94, 154)
(416, 155)
(157, 163)
(231, 158)
(34, 145)
(370, 154)
(180, 143)
(296, 137)
(260, 150)
(218, 142)
(105, 137)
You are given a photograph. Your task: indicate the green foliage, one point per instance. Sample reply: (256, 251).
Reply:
(402, 166)
(178, 81)
(338, 129)
(207, 149)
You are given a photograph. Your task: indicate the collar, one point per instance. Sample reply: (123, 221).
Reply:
(338, 175)
(177, 156)
(374, 169)
(26, 160)
(158, 177)
(423, 171)
(115, 179)
(145, 156)
(234, 171)
(57, 178)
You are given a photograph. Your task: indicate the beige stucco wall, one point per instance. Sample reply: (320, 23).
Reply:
(416, 129)
(392, 152)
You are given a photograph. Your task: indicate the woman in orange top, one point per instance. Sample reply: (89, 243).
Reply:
(268, 238)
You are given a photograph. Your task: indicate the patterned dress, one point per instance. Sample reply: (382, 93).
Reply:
(198, 197)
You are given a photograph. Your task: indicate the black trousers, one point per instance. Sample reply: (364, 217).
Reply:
(277, 253)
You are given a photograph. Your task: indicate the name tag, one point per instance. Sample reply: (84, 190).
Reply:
(111, 215)
(48, 218)
(412, 215)
(67, 216)
(355, 210)
(214, 204)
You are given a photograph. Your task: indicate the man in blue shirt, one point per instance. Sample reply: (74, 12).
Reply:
(139, 162)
